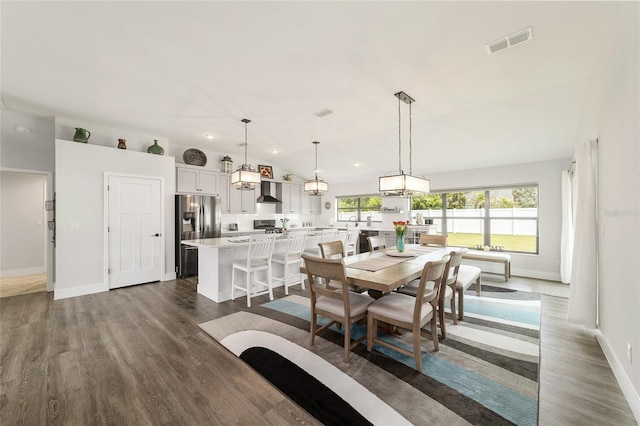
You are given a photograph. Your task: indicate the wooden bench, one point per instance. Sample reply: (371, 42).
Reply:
(491, 256)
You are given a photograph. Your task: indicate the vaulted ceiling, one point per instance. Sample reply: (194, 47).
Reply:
(182, 70)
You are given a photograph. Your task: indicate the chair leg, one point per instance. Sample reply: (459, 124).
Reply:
(248, 289)
(233, 283)
(371, 331)
(434, 333)
(478, 286)
(284, 278)
(301, 277)
(461, 305)
(453, 308)
(441, 317)
(269, 281)
(417, 351)
(347, 341)
(314, 326)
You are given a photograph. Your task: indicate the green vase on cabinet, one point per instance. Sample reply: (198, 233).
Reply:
(155, 148)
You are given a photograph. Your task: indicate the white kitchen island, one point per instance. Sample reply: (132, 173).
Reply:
(216, 257)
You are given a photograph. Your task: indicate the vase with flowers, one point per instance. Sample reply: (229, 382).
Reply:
(401, 230)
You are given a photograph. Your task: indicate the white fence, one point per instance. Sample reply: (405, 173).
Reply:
(471, 221)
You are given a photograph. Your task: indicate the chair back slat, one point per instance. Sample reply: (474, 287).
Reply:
(328, 235)
(261, 246)
(331, 249)
(295, 242)
(433, 240)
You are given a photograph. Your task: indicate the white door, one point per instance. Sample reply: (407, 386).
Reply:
(135, 236)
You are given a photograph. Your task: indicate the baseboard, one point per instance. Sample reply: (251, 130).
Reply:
(168, 277)
(22, 272)
(65, 293)
(626, 386)
(540, 275)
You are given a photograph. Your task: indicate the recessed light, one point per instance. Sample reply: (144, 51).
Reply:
(210, 137)
(274, 150)
(356, 164)
(22, 129)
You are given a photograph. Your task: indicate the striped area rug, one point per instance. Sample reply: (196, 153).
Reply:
(486, 371)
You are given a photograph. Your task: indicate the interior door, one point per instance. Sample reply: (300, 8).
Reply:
(135, 234)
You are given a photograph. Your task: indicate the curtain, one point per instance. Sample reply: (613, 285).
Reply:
(584, 278)
(566, 237)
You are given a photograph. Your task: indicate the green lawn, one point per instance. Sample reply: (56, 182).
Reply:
(525, 243)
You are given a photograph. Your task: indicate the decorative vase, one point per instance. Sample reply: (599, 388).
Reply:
(122, 144)
(155, 148)
(400, 242)
(81, 135)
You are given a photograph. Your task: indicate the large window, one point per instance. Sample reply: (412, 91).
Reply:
(359, 208)
(507, 222)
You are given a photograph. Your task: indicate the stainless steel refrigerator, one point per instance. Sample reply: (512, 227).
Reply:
(197, 217)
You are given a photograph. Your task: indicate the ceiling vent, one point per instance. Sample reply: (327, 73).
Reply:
(323, 112)
(509, 41)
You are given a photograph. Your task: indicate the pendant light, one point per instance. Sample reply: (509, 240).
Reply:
(316, 186)
(402, 184)
(245, 177)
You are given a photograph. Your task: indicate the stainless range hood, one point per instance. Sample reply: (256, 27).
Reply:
(265, 193)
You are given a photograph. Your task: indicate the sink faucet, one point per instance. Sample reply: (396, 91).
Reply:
(354, 219)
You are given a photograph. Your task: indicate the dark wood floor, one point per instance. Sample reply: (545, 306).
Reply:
(137, 356)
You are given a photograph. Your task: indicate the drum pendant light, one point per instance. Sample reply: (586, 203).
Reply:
(402, 184)
(245, 177)
(316, 186)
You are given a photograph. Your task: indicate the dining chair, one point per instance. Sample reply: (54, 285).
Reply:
(258, 260)
(332, 249)
(291, 256)
(377, 242)
(352, 241)
(336, 303)
(450, 278)
(409, 312)
(467, 275)
(432, 240)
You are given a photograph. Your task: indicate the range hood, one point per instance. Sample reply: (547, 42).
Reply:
(265, 193)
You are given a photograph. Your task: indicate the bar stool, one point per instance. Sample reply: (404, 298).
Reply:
(351, 241)
(326, 236)
(258, 260)
(291, 256)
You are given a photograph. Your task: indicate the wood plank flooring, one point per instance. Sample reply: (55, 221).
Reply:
(137, 356)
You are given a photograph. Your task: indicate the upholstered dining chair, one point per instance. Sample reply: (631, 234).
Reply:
(450, 278)
(291, 256)
(411, 313)
(351, 241)
(376, 243)
(258, 260)
(433, 240)
(336, 303)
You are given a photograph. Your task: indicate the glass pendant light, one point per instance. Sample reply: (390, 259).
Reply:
(245, 177)
(402, 184)
(316, 186)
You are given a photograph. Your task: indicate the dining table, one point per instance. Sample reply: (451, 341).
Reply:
(383, 271)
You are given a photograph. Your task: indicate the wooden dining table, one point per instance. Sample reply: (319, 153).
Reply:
(391, 277)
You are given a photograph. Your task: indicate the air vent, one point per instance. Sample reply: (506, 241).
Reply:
(323, 112)
(509, 41)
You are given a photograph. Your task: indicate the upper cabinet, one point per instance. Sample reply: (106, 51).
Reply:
(310, 204)
(241, 201)
(290, 194)
(194, 181)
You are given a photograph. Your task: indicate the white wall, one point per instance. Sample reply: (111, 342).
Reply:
(612, 115)
(546, 174)
(23, 223)
(81, 260)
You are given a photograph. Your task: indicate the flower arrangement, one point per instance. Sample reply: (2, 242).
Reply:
(400, 226)
(285, 222)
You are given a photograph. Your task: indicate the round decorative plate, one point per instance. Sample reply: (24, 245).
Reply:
(394, 253)
(194, 157)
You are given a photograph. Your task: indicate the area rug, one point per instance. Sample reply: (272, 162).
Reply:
(486, 371)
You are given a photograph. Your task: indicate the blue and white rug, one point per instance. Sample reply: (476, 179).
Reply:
(486, 371)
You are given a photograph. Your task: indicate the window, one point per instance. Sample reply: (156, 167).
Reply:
(359, 208)
(508, 222)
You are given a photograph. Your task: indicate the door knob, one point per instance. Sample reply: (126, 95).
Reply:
(156, 235)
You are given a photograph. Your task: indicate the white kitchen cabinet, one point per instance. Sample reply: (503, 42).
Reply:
(194, 181)
(290, 194)
(241, 201)
(310, 204)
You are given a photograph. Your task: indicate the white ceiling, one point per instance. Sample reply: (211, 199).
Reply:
(181, 70)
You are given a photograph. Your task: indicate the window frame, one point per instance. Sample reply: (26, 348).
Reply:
(486, 217)
(358, 209)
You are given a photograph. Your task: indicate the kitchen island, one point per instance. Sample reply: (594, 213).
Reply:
(216, 257)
